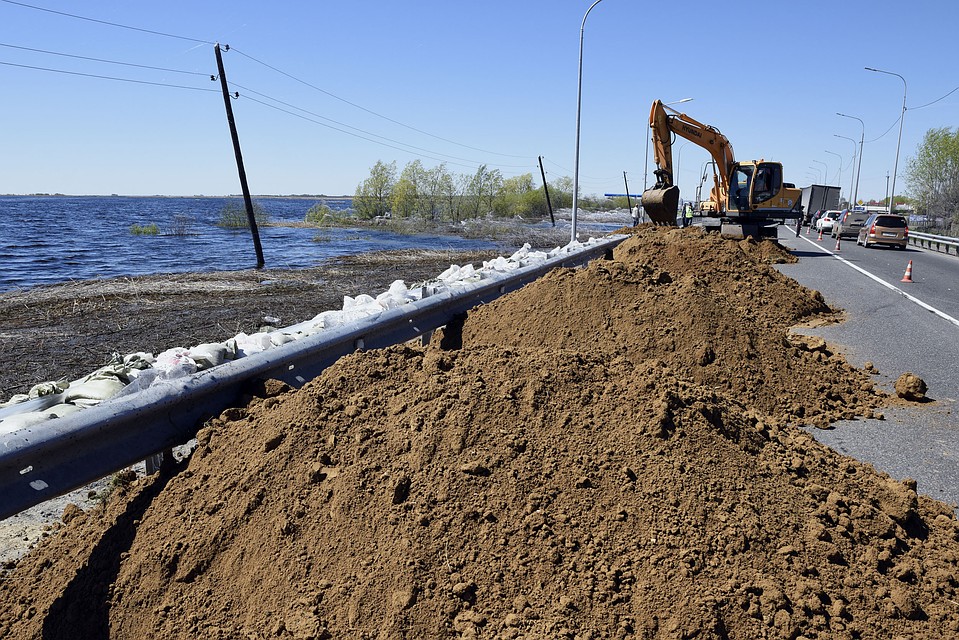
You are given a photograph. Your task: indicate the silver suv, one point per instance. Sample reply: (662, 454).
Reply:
(849, 223)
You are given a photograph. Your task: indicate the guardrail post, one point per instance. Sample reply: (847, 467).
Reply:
(427, 335)
(159, 461)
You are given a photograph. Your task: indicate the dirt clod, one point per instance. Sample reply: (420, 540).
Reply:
(911, 387)
(575, 469)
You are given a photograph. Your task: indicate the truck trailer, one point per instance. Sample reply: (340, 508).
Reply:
(816, 197)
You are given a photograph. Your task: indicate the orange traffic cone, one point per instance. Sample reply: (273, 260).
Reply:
(908, 276)
(808, 227)
(837, 244)
(820, 236)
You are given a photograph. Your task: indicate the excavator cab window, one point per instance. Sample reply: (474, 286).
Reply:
(739, 183)
(767, 183)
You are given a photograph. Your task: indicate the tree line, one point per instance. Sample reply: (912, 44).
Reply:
(933, 179)
(439, 195)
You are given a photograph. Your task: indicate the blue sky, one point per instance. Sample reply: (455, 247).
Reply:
(464, 83)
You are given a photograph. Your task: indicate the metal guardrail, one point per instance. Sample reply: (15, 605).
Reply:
(942, 244)
(47, 460)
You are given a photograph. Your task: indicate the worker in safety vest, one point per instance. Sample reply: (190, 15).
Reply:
(688, 216)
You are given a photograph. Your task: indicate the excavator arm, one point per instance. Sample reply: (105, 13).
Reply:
(662, 200)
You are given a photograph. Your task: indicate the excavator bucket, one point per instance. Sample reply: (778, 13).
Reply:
(661, 205)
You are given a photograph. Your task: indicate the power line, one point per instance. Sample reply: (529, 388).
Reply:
(368, 133)
(559, 166)
(93, 75)
(126, 64)
(288, 75)
(935, 101)
(887, 130)
(105, 22)
(370, 111)
(913, 109)
(350, 133)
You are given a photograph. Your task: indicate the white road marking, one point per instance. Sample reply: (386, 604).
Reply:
(911, 298)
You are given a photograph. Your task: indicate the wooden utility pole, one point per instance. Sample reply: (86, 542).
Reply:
(628, 203)
(239, 158)
(549, 205)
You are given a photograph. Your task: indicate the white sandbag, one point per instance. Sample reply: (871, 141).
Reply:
(254, 343)
(47, 388)
(360, 302)
(175, 360)
(17, 398)
(93, 391)
(23, 421)
(212, 354)
(278, 339)
(396, 296)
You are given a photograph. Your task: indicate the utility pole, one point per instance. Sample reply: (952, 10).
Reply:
(239, 158)
(549, 205)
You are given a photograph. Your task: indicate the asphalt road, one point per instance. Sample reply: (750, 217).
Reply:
(899, 327)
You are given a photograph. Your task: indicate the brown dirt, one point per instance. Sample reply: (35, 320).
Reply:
(609, 452)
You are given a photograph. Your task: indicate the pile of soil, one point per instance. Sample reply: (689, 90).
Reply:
(613, 451)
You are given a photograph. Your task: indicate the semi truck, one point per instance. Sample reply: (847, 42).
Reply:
(816, 197)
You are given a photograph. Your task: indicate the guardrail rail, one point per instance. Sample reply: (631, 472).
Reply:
(942, 244)
(57, 456)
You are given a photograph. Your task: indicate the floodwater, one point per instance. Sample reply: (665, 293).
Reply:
(53, 239)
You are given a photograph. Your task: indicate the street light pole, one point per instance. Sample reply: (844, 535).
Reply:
(902, 117)
(825, 178)
(579, 104)
(702, 181)
(839, 179)
(853, 173)
(679, 159)
(862, 137)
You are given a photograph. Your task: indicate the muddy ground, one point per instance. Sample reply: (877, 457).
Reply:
(69, 330)
(611, 452)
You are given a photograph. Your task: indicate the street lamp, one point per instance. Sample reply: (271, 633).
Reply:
(854, 173)
(862, 137)
(825, 178)
(679, 160)
(702, 181)
(818, 174)
(579, 103)
(839, 179)
(902, 117)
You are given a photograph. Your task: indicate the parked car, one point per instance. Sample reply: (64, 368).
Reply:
(828, 219)
(884, 228)
(849, 223)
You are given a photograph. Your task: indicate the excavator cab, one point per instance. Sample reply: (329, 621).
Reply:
(754, 186)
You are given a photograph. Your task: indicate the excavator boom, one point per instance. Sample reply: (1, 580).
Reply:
(662, 200)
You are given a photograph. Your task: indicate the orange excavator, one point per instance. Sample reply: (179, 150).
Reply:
(747, 198)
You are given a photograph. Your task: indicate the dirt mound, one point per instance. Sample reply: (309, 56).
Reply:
(712, 308)
(525, 478)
